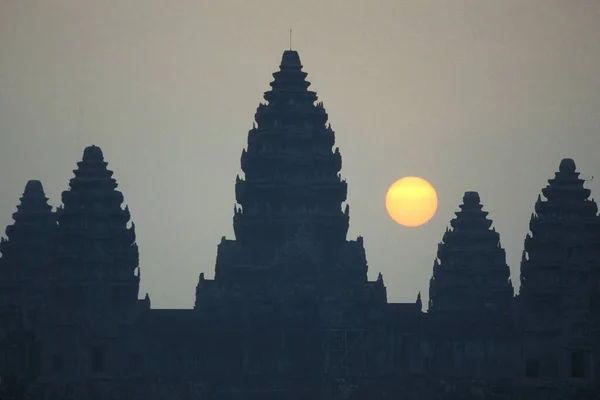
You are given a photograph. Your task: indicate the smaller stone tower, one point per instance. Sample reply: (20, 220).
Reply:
(94, 238)
(93, 288)
(26, 255)
(31, 238)
(470, 274)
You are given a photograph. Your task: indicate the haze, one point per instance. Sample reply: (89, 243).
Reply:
(470, 95)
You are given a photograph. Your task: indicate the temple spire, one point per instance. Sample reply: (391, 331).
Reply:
(563, 228)
(30, 238)
(290, 149)
(565, 193)
(93, 224)
(471, 275)
(291, 179)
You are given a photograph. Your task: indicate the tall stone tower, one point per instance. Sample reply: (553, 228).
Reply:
(289, 222)
(558, 278)
(291, 173)
(92, 292)
(558, 256)
(94, 239)
(290, 266)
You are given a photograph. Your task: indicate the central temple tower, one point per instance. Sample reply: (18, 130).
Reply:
(290, 272)
(291, 173)
(289, 220)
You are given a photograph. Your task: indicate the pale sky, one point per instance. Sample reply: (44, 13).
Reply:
(471, 95)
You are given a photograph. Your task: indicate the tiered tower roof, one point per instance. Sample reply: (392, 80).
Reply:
(470, 272)
(291, 173)
(289, 222)
(31, 238)
(560, 256)
(93, 232)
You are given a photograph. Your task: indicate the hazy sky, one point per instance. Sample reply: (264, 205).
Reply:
(470, 95)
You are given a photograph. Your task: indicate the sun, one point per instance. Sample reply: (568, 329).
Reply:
(411, 201)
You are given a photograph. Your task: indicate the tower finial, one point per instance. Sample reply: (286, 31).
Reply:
(290, 39)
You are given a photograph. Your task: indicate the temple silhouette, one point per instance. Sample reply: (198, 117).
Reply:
(290, 313)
